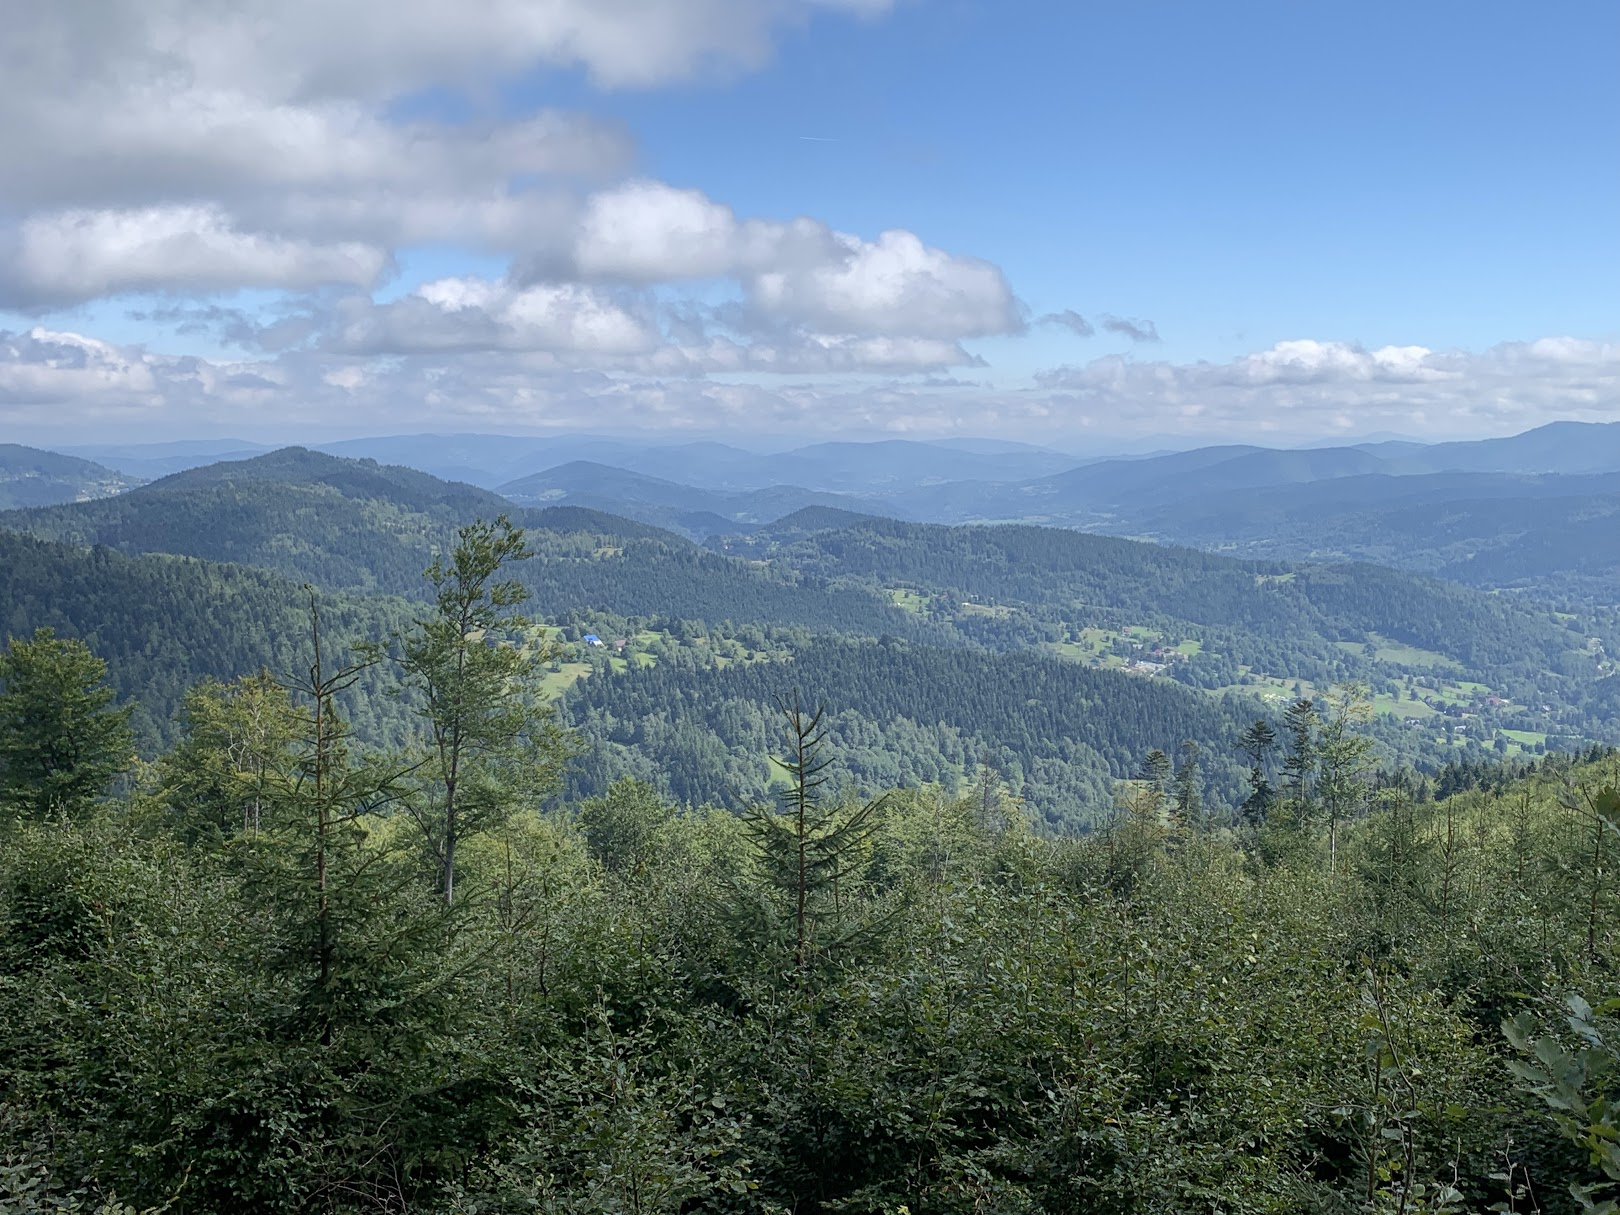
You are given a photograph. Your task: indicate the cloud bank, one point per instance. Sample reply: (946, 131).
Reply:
(619, 378)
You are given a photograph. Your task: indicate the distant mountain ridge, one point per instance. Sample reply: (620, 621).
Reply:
(1393, 501)
(692, 511)
(1183, 620)
(30, 476)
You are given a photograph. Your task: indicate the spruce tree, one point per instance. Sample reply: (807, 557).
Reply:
(61, 740)
(806, 850)
(1256, 743)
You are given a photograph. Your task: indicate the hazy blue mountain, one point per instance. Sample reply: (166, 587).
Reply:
(31, 477)
(1558, 447)
(706, 465)
(684, 508)
(995, 447)
(874, 467)
(149, 461)
(895, 464)
(1150, 494)
(1555, 533)
(485, 460)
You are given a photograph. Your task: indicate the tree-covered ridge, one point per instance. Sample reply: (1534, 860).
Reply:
(1266, 628)
(350, 525)
(164, 623)
(243, 985)
(1051, 567)
(362, 479)
(342, 524)
(698, 727)
(1246, 624)
(32, 477)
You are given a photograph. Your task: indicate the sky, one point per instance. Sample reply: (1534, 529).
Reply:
(1058, 222)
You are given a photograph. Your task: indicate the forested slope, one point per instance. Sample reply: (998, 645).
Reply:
(32, 477)
(1051, 567)
(163, 624)
(1059, 733)
(1432, 652)
(631, 1007)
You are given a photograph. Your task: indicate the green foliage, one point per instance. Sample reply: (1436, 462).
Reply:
(595, 1028)
(242, 988)
(236, 748)
(490, 743)
(1580, 1083)
(61, 740)
(806, 851)
(623, 825)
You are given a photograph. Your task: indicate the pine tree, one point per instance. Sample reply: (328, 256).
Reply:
(61, 741)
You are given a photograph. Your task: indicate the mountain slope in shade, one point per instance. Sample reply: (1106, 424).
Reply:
(32, 477)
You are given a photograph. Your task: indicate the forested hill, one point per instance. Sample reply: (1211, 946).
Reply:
(163, 624)
(1067, 572)
(365, 480)
(341, 524)
(1058, 732)
(352, 525)
(31, 477)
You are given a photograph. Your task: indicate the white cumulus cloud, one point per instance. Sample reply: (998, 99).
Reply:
(895, 284)
(77, 255)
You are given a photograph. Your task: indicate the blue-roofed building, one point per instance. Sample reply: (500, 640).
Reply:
(591, 639)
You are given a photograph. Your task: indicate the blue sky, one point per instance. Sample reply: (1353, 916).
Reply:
(1440, 172)
(1297, 198)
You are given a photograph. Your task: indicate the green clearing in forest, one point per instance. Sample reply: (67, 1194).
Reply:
(996, 610)
(558, 682)
(1528, 738)
(908, 600)
(1399, 653)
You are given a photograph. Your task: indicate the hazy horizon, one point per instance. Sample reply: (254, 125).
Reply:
(761, 443)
